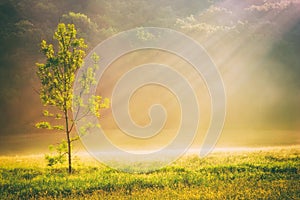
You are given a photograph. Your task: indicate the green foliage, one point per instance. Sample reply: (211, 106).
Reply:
(58, 127)
(83, 130)
(96, 103)
(47, 125)
(58, 73)
(58, 116)
(144, 35)
(46, 113)
(57, 76)
(88, 77)
(272, 174)
(43, 125)
(59, 154)
(81, 21)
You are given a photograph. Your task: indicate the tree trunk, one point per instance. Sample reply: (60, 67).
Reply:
(69, 142)
(69, 154)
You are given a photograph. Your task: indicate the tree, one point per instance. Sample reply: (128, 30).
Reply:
(57, 76)
(86, 28)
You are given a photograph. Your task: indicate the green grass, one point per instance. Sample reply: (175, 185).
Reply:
(267, 174)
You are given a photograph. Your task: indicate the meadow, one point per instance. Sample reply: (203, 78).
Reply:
(259, 174)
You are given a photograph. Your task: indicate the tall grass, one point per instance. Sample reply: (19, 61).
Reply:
(269, 174)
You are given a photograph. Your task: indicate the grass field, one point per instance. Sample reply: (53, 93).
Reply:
(259, 174)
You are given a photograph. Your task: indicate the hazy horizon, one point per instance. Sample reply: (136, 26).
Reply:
(254, 45)
(38, 143)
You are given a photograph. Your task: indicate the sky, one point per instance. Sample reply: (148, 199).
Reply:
(254, 44)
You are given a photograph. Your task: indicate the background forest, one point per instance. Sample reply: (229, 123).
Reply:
(255, 44)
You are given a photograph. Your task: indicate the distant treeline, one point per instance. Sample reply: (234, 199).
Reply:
(25, 23)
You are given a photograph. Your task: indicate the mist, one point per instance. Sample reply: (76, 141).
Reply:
(254, 44)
